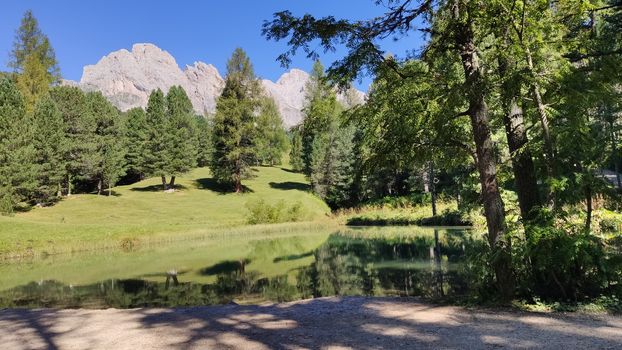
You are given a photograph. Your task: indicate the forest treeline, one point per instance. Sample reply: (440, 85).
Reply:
(513, 107)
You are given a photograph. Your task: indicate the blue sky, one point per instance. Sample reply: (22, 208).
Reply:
(84, 31)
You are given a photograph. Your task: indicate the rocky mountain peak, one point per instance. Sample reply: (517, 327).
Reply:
(127, 78)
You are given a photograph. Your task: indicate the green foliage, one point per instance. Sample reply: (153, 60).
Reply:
(182, 132)
(50, 147)
(233, 130)
(271, 139)
(157, 155)
(108, 165)
(136, 131)
(262, 212)
(295, 151)
(17, 153)
(204, 141)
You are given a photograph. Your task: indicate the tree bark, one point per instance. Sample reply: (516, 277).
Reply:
(171, 184)
(432, 189)
(494, 211)
(588, 202)
(522, 161)
(99, 187)
(68, 185)
(164, 186)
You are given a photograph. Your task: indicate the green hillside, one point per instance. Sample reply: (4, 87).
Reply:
(141, 211)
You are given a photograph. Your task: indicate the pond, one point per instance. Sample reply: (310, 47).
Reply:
(407, 261)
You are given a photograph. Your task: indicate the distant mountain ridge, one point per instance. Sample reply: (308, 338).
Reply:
(127, 78)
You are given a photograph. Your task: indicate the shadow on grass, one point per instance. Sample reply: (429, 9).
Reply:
(226, 266)
(292, 257)
(290, 170)
(213, 185)
(290, 185)
(155, 188)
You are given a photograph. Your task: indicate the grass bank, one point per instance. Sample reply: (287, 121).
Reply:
(141, 213)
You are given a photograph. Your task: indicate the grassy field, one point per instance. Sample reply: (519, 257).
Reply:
(142, 212)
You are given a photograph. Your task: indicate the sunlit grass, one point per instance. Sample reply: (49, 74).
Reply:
(141, 212)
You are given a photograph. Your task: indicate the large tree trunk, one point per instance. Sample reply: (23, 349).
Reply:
(164, 186)
(522, 161)
(432, 189)
(171, 184)
(68, 185)
(99, 187)
(494, 211)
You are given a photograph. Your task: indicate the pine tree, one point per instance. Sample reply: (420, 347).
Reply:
(271, 139)
(295, 152)
(332, 165)
(80, 126)
(136, 132)
(157, 157)
(321, 107)
(108, 163)
(17, 154)
(204, 141)
(50, 146)
(182, 132)
(233, 134)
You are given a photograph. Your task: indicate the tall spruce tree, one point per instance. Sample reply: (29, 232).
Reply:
(17, 153)
(233, 133)
(204, 141)
(182, 132)
(50, 146)
(320, 109)
(108, 163)
(271, 141)
(79, 134)
(136, 132)
(157, 156)
(295, 152)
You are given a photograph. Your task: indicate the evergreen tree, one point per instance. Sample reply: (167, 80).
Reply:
(271, 139)
(332, 165)
(204, 141)
(136, 132)
(79, 134)
(182, 133)
(321, 108)
(295, 152)
(233, 134)
(50, 146)
(108, 163)
(17, 154)
(157, 154)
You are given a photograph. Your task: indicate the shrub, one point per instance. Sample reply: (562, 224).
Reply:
(261, 212)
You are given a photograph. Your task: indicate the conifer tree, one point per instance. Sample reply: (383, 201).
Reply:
(136, 132)
(295, 152)
(271, 140)
(108, 163)
(233, 134)
(33, 60)
(17, 172)
(79, 134)
(321, 107)
(156, 154)
(204, 141)
(182, 154)
(50, 146)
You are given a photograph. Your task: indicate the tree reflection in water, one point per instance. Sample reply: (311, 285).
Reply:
(345, 264)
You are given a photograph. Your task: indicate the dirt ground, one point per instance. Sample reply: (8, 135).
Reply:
(324, 323)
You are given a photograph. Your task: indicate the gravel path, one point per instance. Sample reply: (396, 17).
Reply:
(325, 323)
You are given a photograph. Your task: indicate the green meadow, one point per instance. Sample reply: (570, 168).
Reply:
(140, 213)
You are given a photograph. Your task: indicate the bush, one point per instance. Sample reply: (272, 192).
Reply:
(447, 218)
(260, 212)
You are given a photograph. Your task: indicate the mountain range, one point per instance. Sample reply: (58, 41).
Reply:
(127, 78)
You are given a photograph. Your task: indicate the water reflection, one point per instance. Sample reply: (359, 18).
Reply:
(345, 263)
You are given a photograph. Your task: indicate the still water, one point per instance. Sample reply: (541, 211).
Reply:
(407, 261)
